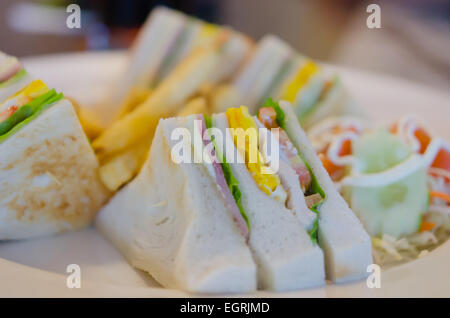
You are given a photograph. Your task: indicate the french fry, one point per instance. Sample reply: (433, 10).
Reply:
(89, 119)
(197, 105)
(91, 122)
(122, 167)
(223, 97)
(182, 83)
(136, 96)
(75, 103)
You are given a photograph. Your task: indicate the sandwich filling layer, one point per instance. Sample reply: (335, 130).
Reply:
(24, 106)
(227, 184)
(244, 131)
(298, 81)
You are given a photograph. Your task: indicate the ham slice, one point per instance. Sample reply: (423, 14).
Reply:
(10, 71)
(230, 203)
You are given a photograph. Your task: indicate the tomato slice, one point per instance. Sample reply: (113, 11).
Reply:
(335, 172)
(394, 128)
(426, 226)
(423, 138)
(8, 112)
(442, 160)
(420, 134)
(346, 148)
(268, 117)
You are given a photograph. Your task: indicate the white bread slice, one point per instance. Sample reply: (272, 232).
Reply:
(285, 255)
(265, 64)
(48, 177)
(346, 244)
(171, 221)
(234, 55)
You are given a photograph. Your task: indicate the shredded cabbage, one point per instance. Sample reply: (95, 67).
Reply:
(388, 251)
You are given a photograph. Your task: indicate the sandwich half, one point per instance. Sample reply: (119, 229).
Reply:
(282, 235)
(165, 40)
(48, 170)
(340, 234)
(277, 71)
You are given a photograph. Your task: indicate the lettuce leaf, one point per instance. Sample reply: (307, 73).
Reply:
(232, 182)
(314, 232)
(30, 111)
(20, 115)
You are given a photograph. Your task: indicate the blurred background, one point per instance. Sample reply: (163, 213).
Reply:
(414, 41)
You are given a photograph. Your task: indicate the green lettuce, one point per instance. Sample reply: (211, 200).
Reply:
(232, 182)
(27, 113)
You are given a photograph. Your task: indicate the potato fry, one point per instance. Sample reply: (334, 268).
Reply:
(197, 105)
(121, 168)
(223, 97)
(136, 96)
(91, 122)
(89, 119)
(182, 83)
(74, 102)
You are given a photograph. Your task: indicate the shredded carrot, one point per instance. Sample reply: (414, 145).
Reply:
(426, 226)
(440, 195)
(335, 172)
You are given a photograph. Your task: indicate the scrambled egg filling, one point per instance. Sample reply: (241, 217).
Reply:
(240, 118)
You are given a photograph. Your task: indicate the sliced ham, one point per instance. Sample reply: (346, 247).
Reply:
(11, 70)
(230, 203)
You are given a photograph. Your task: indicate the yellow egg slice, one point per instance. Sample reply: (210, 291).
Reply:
(240, 118)
(299, 80)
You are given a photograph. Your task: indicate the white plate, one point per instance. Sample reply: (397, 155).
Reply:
(38, 267)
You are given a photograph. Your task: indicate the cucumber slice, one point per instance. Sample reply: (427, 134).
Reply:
(395, 209)
(379, 150)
